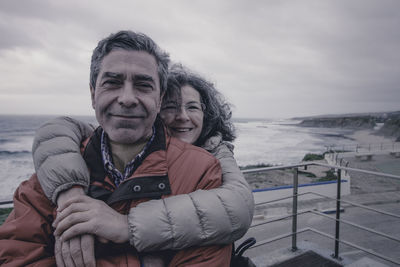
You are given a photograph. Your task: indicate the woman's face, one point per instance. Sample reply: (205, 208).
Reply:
(184, 120)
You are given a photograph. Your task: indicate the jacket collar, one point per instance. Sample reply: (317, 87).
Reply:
(149, 186)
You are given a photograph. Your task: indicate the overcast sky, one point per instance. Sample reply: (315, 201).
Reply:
(269, 58)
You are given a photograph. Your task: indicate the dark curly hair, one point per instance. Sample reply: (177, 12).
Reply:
(217, 113)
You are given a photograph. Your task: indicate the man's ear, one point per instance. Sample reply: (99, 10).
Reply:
(92, 96)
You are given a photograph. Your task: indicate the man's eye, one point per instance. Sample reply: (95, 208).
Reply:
(144, 86)
(111, 82)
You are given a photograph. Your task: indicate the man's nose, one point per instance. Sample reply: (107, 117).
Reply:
(127, 96)
(181, 114)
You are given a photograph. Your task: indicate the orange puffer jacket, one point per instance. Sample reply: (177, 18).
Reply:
(26, 237)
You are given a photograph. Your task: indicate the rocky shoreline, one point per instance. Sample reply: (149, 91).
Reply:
(390, 121)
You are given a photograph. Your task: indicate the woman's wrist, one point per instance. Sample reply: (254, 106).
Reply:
(68, 194)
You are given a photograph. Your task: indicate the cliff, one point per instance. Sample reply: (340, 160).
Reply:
(391, 128)
(360, 122)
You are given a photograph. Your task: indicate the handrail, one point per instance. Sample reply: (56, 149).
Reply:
(387, 175)
(281, 167)
(381, 146)
(354, 246)
(279, 237)
(357, 205)
(329, 217)
(5, 202)
(356, 226)
(338, 200)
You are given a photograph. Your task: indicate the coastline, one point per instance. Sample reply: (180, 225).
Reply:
(363, 138)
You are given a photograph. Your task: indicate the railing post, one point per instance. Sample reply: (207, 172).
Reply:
(294, 209)
(337, 229)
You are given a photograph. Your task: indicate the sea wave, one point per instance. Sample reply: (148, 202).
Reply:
(5, 140)
(14, 153)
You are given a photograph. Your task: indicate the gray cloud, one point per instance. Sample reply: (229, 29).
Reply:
(270, 58)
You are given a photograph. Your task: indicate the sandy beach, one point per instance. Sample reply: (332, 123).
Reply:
(365, 137)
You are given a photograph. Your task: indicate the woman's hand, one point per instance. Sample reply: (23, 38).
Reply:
(85, 215)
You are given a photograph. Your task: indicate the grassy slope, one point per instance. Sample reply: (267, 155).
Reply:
(3, 214)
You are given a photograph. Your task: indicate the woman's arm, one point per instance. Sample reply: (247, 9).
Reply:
(166, 226)
(57, 156)
(59, 166)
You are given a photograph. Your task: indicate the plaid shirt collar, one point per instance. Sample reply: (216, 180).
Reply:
(109, 167)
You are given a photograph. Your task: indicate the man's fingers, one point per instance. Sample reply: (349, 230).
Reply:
(73, 208)
(58, 253)
(87, 245)
(78, 229)
(75, 251)
(71, 220)
(66, 255)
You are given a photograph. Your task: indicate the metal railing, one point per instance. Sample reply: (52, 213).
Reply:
(383, 146)
(337, 240)
(294, 232)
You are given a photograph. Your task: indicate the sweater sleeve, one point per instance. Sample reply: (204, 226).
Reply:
(203, 217)
(57, 157)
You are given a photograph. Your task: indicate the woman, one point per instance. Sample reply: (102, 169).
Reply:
(192, 111)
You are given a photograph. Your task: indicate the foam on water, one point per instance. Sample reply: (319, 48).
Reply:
(264, 141)
(16, 138)
(272, 143)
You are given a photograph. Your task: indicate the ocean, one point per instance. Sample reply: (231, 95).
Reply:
(259, 141)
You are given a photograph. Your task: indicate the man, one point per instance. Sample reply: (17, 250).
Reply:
(131, 160)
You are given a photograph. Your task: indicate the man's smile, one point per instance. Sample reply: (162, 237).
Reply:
(126, 116)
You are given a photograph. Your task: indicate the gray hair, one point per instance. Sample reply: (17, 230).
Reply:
(217, 113)
(129, 40)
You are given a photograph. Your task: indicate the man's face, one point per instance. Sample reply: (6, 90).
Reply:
(127, 95)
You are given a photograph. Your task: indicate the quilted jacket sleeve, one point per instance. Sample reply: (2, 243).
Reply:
(57, 157)
(222, 214)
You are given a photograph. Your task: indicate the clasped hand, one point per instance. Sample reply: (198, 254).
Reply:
(79, 220)
(85, 215)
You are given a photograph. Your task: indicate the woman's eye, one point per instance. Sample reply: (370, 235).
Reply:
(193, 108)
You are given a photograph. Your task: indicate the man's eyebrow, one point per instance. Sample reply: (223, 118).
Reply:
(143, 77)
(193, 102)
(112, 75)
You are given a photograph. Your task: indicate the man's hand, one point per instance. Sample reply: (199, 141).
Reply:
(84, 215)
(78, 251)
